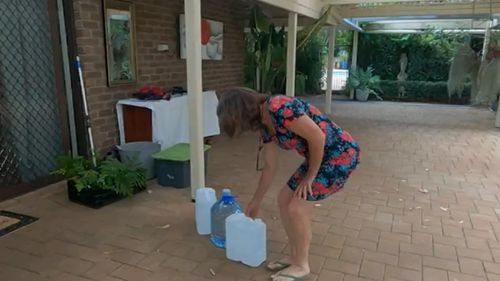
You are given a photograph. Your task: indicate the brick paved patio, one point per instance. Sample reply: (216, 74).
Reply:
(381, 227)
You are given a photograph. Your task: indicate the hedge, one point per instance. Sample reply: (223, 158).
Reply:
(422, 91)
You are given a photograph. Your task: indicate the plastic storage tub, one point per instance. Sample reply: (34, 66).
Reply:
(140, 153)
(172, 165)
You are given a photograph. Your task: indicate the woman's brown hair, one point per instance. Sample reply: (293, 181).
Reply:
(239, 110)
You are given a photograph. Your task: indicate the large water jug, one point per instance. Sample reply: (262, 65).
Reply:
(205, 199)
(246, 240)
(226, 206)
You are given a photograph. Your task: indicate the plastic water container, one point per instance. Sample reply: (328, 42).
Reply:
(226, 206)
(205, 199)
(246, 240)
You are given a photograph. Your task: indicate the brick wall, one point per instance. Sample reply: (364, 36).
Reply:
(156, 23)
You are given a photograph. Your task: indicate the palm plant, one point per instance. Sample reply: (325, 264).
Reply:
(364, 82)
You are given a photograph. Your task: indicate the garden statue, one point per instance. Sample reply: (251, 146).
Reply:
(465, 63)
(402, 76)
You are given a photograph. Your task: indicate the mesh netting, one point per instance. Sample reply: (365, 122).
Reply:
(30, 130)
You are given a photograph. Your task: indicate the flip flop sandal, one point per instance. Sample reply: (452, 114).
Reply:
(292, 278)
(277, 265)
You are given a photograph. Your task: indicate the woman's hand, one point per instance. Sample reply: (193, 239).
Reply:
(253, 209)
(304, 188)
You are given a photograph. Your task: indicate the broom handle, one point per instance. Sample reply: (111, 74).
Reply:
(86, 111)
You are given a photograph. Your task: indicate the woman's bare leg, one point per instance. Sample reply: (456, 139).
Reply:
(300, 213)
(284, 198)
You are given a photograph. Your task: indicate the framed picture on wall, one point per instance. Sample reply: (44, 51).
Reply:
(119, 25)
(212, 38)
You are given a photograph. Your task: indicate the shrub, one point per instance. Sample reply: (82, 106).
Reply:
(422, 91)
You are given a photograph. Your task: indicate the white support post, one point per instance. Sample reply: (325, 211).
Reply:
(354, 59)
(291, 52)
(192, 10)
(497, 121)
(329, 76)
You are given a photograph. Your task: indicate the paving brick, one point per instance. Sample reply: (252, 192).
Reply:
(418, 249)
(381, 257)
(333, 240)
(492, 267)
(395, 237)
(388, 246)
(410, 261)
(366, 245)
(354, 278)
(342, 266)
(323, 250)
(421, 238)
(432, 274)
(372, 270)
(472, 267)
(475, 254)
(454, 276)
(449, 241)
(453, 231)
(180, 264)
(70, 277)
(131, 273)
(441, 264)
(369, 234)
(101, 270)
(327, 275)
(477, 243)
(496, 255)
(351, 254)
(493, 277)
(402, 273)
(445, 252)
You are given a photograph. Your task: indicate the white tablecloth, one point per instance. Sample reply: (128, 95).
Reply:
(171, 118)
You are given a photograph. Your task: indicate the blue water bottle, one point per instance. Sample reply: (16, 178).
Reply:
(226, 206)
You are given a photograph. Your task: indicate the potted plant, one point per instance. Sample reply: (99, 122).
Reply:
(96, 186)
(364, 82)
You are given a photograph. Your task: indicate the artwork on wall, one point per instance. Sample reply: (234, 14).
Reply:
(119, 24)
(212, 35)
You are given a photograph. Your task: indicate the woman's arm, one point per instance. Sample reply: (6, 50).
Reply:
(312, 133)
(265, 181)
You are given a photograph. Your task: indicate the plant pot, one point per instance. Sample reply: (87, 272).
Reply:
(94, 198)
(362, 94)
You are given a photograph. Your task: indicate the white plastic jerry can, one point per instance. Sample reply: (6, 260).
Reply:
(246, 240)
(205, 199)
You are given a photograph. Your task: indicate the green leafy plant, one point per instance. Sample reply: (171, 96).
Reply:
(265, 58)
(364, 80)
(109, 174)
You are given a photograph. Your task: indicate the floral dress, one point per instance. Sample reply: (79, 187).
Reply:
(341, 152)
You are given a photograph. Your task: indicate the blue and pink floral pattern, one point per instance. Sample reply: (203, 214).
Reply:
(341, 154)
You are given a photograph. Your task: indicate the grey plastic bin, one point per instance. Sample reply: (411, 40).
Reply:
(140, 153)
(173, 166)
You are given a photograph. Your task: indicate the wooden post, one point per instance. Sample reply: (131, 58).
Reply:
(330, 65)
(354, 59)
(192, 10)
(291, 52)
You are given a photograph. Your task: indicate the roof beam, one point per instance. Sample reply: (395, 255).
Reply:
(308, 8)
(426, 9)
(346, 2)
